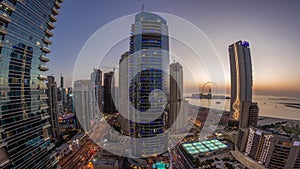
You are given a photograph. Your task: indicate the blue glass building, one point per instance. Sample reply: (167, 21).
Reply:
(25, 32)
(148, 67)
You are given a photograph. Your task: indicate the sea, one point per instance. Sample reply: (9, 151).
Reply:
(269, 106)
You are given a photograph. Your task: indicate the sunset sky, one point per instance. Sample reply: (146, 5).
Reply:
(271, 26)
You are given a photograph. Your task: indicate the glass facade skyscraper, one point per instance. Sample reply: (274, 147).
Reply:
(25, 29)
(241, 83)
(148, 65)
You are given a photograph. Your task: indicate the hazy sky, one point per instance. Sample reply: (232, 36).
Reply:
(272, 28)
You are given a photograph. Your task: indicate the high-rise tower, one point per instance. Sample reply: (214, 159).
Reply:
(241, 83)
(53, 107)
(176, 93)
(148, 65)
(96, 78)
(109, 105)
(123, 97)
(24, 39)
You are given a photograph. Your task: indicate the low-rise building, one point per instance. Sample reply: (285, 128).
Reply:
(269, 149)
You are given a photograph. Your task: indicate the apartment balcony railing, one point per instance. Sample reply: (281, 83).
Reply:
(43, 68)
(46, 125)
(50, 25)
(5, 18)
(45, 49)
(57, 5)
(42, 77)
(3, 31)
(44, 58)
(54, 162)
(44, 117)
(55, 11)
(42, 87)
(49, 33)
(53, 154)
(8, 5)
(47, 41)
(52, 18)
(51, 146)
(44, 106)
(43, 97)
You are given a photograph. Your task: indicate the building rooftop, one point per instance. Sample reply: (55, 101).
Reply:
(204, 146)
(62, 147)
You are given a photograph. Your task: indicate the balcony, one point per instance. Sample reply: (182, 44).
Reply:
(50, 25)
(43, 68)
(57, 5)
(5, 18)
(47, 41)
(49, 33)
(55, 11)
(44, 59)
(45, 49)
(44, 117)
(3, 31)
(53, 154)
(54, 162)
(42, 87)
(51, 146)
(42, 77)
(43, 97)
(52, 18)
(46, 125)
(8, 5)
(44, 106)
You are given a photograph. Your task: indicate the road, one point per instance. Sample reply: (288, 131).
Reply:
(246, 161)
(75, 162)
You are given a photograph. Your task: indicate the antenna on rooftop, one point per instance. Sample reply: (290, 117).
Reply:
(142, 7)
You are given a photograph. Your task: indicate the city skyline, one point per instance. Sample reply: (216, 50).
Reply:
(156, 84)
(264, 29)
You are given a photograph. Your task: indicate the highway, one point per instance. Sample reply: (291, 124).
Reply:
(74, 162)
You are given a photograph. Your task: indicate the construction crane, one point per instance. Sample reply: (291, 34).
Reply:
(109, 67)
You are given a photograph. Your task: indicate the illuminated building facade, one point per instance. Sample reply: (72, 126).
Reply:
(271, 150)
(241, 84)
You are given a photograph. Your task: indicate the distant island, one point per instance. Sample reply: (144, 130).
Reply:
(207, 96)
(292, 105)
(281, 99)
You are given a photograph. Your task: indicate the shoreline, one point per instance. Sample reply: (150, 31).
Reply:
(266, 120)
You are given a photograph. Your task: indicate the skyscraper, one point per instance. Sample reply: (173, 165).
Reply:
(109, 105)
(53, 107)
(149, 83)
(176, 93)
(241, 83)
(123, 107)
(24, 34)
(95, 85)
(70, 104)
(82, 102)
(96, 78)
